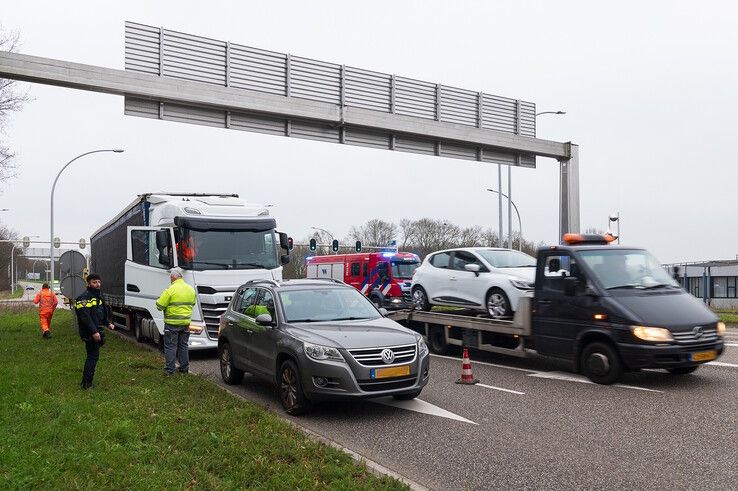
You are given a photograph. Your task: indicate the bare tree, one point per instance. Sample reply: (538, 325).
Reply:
(11, 100)
(5, 250)
(375, 232)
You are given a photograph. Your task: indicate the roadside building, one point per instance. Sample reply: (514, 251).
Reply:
(714, 282)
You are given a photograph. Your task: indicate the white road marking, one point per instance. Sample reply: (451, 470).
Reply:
(722, 364)
(420, 406)
(485, 363)
(571, 377)
(500, 388)
(731, 344)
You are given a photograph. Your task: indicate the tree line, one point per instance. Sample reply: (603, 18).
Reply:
(421, 237)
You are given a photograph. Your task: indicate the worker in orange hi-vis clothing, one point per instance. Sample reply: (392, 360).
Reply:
(46, 300)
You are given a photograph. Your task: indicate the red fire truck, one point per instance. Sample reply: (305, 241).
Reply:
(385, 277)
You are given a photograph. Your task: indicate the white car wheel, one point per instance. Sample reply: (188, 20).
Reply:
(498, 305)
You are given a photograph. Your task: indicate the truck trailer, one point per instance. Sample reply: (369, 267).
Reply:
(218, 240)
(604, 309)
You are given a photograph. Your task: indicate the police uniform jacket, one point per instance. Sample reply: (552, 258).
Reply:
(92, 313)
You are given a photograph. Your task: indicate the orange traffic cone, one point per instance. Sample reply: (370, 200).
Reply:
(466, 371)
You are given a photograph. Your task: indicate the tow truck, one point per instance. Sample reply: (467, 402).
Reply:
(604, 308)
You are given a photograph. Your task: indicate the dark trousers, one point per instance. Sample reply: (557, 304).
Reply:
(93, 354)
(176, 340)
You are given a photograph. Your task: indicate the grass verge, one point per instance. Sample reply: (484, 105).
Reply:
(6, 294)
(140, 430)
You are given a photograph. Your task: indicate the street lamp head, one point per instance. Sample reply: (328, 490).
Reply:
(560, 112)
(614, 218)
(118, 150)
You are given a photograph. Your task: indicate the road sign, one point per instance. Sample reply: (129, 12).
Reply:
(82, 243)
(26, 242)
(72, 265)
(57, 242)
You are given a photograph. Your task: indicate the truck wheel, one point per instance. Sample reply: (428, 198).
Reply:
(230, 374)
(437, 341)
(137, 328)
(408, 396)
(291, 395)
(601, 364)
(498, 305)
(682, 370)
(377, 299)
(420, 299)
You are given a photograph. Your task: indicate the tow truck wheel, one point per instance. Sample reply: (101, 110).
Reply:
(137, 329)
(231, 375)
(437, 341)
(682, 370)
(498, 305)
(377, 299)
(420, 299)
(601, 364)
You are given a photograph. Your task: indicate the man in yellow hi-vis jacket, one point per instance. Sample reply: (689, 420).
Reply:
(177, 302)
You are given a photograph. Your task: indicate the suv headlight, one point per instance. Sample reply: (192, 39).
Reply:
(522, 284)
(422, 347)
(721, 328)
(657, 334)
(320, 353)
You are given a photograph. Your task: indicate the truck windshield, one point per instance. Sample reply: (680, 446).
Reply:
(402, 269)
(227, 249)
(507, 259)
(625, 268)
(326, 304)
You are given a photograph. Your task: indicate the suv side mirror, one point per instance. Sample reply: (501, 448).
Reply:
(264, 320)
(570, 286)
(474, 268)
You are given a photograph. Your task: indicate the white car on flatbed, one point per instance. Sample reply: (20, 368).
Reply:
(486, 279)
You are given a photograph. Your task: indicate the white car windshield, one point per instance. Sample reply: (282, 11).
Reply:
(627, 268)
(326, 304)
(507, 259)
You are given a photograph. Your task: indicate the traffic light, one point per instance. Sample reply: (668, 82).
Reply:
(313, 244)
(290, 243)
(335, 245)
(358, 246)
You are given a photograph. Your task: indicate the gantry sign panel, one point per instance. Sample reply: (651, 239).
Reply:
(166, 53)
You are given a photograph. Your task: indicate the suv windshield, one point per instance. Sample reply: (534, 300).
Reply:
(404, 269)
(326, 304)
(507, 259)
(227, 249)
(624, 268)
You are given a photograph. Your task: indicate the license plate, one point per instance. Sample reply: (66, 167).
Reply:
(390, 372)
(704, 355)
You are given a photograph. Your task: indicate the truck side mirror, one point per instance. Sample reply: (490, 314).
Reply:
(284, 241)
(162, 239)
(474, 268)
(284, 258)
(570, 286)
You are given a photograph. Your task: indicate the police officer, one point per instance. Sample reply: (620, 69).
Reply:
(176, 302)
(92, 315)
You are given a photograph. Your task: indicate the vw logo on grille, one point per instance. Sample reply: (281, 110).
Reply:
(388, 356)
(697, 331)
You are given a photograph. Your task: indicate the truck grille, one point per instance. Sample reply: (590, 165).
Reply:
(407, 297)
(372, 357)
(689, 337)
(211, 313)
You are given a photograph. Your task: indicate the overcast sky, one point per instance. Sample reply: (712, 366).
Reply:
(649, 89)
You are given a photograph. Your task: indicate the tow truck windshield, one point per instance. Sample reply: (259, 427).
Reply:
(404, 270)
(507, 259)
(627, 269)
(326, 304)
(227, 249)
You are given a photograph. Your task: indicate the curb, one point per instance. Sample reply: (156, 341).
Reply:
(373, 467)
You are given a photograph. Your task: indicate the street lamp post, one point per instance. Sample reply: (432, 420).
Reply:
(520, 223)
(614, 218)
(53, 187)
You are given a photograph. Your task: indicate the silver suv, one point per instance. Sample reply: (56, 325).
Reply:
(318, 340)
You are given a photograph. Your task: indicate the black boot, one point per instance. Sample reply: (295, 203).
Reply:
(86, 384)
(47, 334)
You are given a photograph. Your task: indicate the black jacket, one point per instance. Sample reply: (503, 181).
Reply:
(92, 313)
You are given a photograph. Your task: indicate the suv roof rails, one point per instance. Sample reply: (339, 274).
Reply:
(329, 279)
(264, 280)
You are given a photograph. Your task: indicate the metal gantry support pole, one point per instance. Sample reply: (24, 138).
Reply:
(499, 201)
(569, 192)
(12, 276)
(509, 208)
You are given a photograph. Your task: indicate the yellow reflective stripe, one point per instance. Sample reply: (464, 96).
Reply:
(87, 303)
(176, 317)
